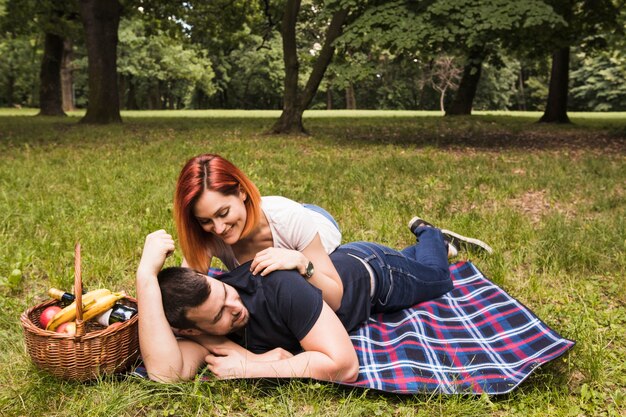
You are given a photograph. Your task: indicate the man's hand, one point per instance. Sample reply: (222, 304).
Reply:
(157, 247)
(227, 363)
(273, 259)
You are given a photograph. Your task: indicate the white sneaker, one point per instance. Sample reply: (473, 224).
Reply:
(452, 250)
(463, 242)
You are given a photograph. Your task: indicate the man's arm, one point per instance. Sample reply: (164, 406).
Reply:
(166, 358)
(329, 355)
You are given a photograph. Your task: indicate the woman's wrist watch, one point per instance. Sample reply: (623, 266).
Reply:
(309, 270)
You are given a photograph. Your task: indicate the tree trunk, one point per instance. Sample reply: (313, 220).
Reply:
(121, 86)
(10, 91)
(464, 98)
(101, 20)
(154, 96)
(556, 109)
(171, 105)
(290, 120)
(350, 98)
(67, 81)
(325, 57)
(50, 97)
(442, 98)
(521, 91)
(329, 99)
(131, 95)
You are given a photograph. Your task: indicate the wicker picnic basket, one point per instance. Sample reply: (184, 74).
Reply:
(93, 351)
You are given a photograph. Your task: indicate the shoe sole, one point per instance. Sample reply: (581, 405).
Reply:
(415, 220)
(452, 250)
(460, 241)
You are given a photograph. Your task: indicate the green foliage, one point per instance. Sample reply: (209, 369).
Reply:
(584, 20)
(19, 70)
(598, 83)
(151, 56)
(256, 78)
(498, 87)
(442, 25)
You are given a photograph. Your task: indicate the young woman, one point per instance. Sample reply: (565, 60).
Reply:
(220, 212)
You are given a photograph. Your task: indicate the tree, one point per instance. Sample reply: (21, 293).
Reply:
(464, 98)
(584, 19)
(295, 101)
(470, 29)
(50, 94)
(67, 76)
(57, 21)
(101, 20)
(445, 75)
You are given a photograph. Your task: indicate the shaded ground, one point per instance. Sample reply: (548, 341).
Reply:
(494, 140)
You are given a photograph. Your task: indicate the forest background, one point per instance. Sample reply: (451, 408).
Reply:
(292, 55)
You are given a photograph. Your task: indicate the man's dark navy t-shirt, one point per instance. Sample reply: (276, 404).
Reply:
(284, 307)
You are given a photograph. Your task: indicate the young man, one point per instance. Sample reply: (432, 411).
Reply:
(246, 326)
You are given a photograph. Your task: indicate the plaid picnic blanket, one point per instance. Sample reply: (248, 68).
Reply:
(475, 339)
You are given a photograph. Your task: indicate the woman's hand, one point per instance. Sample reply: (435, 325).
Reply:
(273, 259)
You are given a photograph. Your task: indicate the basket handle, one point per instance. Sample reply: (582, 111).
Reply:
(78, 291)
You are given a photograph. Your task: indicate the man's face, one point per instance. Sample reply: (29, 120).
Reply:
(222, 312)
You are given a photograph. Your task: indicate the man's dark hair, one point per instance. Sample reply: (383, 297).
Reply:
(182, 289)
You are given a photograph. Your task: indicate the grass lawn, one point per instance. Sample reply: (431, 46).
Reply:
(549, 199)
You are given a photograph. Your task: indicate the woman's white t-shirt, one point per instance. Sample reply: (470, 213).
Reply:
(294, 226)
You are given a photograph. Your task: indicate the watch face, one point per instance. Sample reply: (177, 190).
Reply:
(309, 270)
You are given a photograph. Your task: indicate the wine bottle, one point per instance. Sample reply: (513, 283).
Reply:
(118, 314)
(64, 297)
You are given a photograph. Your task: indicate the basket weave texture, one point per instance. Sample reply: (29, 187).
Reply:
(93, 351)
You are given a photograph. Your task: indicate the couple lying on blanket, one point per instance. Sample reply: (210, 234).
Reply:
(269, 316)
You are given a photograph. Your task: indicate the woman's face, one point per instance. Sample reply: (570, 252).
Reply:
(223, 215)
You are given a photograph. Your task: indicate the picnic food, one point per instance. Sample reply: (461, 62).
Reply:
(68, 327)
(101, 305)
(47, 315)
(89, 301)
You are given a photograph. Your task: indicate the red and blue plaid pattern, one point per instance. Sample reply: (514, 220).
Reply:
(475, 339)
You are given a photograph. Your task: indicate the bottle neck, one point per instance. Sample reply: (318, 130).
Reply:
(64, 297)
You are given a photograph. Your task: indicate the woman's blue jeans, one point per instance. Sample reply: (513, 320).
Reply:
(323, 213)
(404, 278)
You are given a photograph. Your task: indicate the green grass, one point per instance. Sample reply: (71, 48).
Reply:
(549, 199)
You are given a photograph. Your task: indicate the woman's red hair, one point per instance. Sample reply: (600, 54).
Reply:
(214, 173)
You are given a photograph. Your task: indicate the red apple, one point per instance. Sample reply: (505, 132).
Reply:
(47, 315)
(68, 327)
